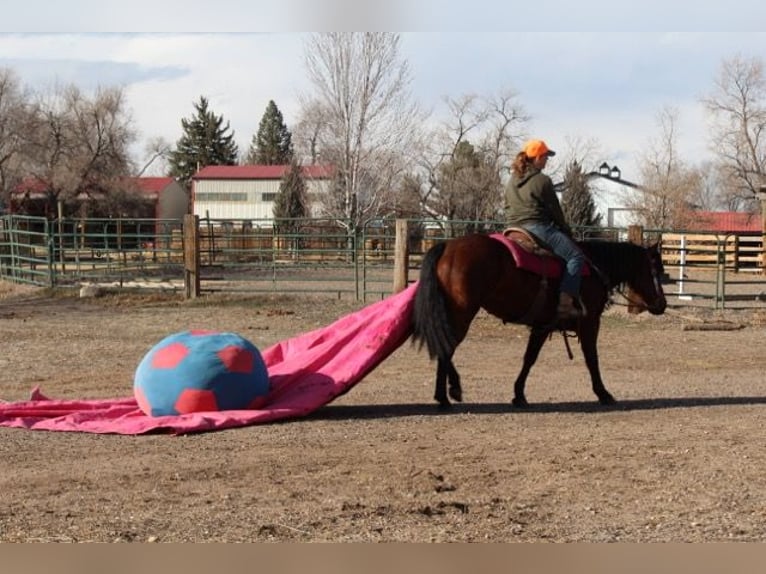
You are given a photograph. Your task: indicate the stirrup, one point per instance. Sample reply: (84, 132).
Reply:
(571, 311)
(568, 312)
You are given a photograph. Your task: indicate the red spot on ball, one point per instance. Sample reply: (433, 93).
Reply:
(195, 400)
(202, 332)
(236, 359)
(143, 402)
(170, 357)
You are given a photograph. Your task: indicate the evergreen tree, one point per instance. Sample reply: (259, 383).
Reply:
(291, 201)
(577, 201)
(205, 141)
(272, 145)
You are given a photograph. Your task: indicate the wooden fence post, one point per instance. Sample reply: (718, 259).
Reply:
(191, 256)
(762, 197)
(401, 256)
(635, 235)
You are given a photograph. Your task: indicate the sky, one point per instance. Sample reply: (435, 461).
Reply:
(607, 82)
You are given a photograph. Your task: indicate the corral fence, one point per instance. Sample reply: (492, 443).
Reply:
(716, 269)
(72, 252)
(324, 256)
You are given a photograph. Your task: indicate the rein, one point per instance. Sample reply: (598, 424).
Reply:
(631, 302)
(624, 291)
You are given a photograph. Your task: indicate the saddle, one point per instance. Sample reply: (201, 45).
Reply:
(531, 254)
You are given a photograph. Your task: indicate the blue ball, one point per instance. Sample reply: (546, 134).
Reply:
(197, 371)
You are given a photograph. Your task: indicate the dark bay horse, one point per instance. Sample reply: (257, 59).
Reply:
(460, 276)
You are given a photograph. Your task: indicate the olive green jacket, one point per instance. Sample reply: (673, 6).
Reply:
(531, 199)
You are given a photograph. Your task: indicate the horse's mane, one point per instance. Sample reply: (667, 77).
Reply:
(619, 261)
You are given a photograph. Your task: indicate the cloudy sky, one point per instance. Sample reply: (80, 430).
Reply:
(607, 83)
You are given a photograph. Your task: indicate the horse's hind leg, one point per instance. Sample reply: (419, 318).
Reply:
(455, 389)
(588, 338)
(534, 344)
(445, 371)
(440, 393)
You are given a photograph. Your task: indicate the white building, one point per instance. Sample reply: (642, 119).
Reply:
(249, 191)
(611, 195)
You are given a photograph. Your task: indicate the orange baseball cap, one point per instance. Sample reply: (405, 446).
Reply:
(536, 148)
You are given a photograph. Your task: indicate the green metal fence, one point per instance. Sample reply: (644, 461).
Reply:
(70, 252)
(323, 256)
(301, 255)
(25, 250)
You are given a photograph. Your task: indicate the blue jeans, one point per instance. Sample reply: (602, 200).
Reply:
(564, 247)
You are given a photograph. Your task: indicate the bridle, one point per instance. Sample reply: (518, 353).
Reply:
(656, 282)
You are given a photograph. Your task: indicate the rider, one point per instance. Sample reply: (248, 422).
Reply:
(531, 203)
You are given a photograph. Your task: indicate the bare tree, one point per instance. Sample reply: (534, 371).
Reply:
(79, 146)
(15, 120)
(713, 193)
(469, 156)
(670, 187)
(737, 105)
(307, 132)
(367, 117)
(156, 153)
(506, 123)
(586, 152)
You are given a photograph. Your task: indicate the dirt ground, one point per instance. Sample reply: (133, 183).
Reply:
(680, 458)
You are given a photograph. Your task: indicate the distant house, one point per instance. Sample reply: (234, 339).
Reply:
(170, 199)
(611, 195)
(30, 197)
(249, 191)
(154, 198)
(727, 222)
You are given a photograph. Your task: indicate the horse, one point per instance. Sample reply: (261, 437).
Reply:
(460, 276)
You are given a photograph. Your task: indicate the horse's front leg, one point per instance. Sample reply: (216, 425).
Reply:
(588, 333)
(534, 344)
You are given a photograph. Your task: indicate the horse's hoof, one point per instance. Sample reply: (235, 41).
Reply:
(520, 403)
(607, 400)
(456, 395)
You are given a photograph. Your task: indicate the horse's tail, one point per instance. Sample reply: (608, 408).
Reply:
(431, 323)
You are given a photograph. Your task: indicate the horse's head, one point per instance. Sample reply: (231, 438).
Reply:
(646, 283)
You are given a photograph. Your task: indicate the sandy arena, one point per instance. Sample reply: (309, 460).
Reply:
(680, 458)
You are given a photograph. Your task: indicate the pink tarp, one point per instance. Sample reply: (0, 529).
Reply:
(306, 372)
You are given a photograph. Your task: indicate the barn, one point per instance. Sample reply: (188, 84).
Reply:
(158, 198)
(169, 198)
(611, 194)
(249, 191)
(728, 222)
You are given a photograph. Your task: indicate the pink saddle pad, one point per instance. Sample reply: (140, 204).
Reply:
(547, 266)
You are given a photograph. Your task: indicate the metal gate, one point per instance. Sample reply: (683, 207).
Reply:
(25, 250)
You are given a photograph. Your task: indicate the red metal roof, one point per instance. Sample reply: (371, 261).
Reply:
(36, 187)
(260, 172)
(152, 185)
(33, 186)
(728, 221)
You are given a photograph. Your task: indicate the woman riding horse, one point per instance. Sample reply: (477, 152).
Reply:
(460, 276)
(531, 203)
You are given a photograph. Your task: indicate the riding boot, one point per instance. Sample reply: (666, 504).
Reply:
(566, 308)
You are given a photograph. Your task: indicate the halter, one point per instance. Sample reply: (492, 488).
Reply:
(655, 281)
